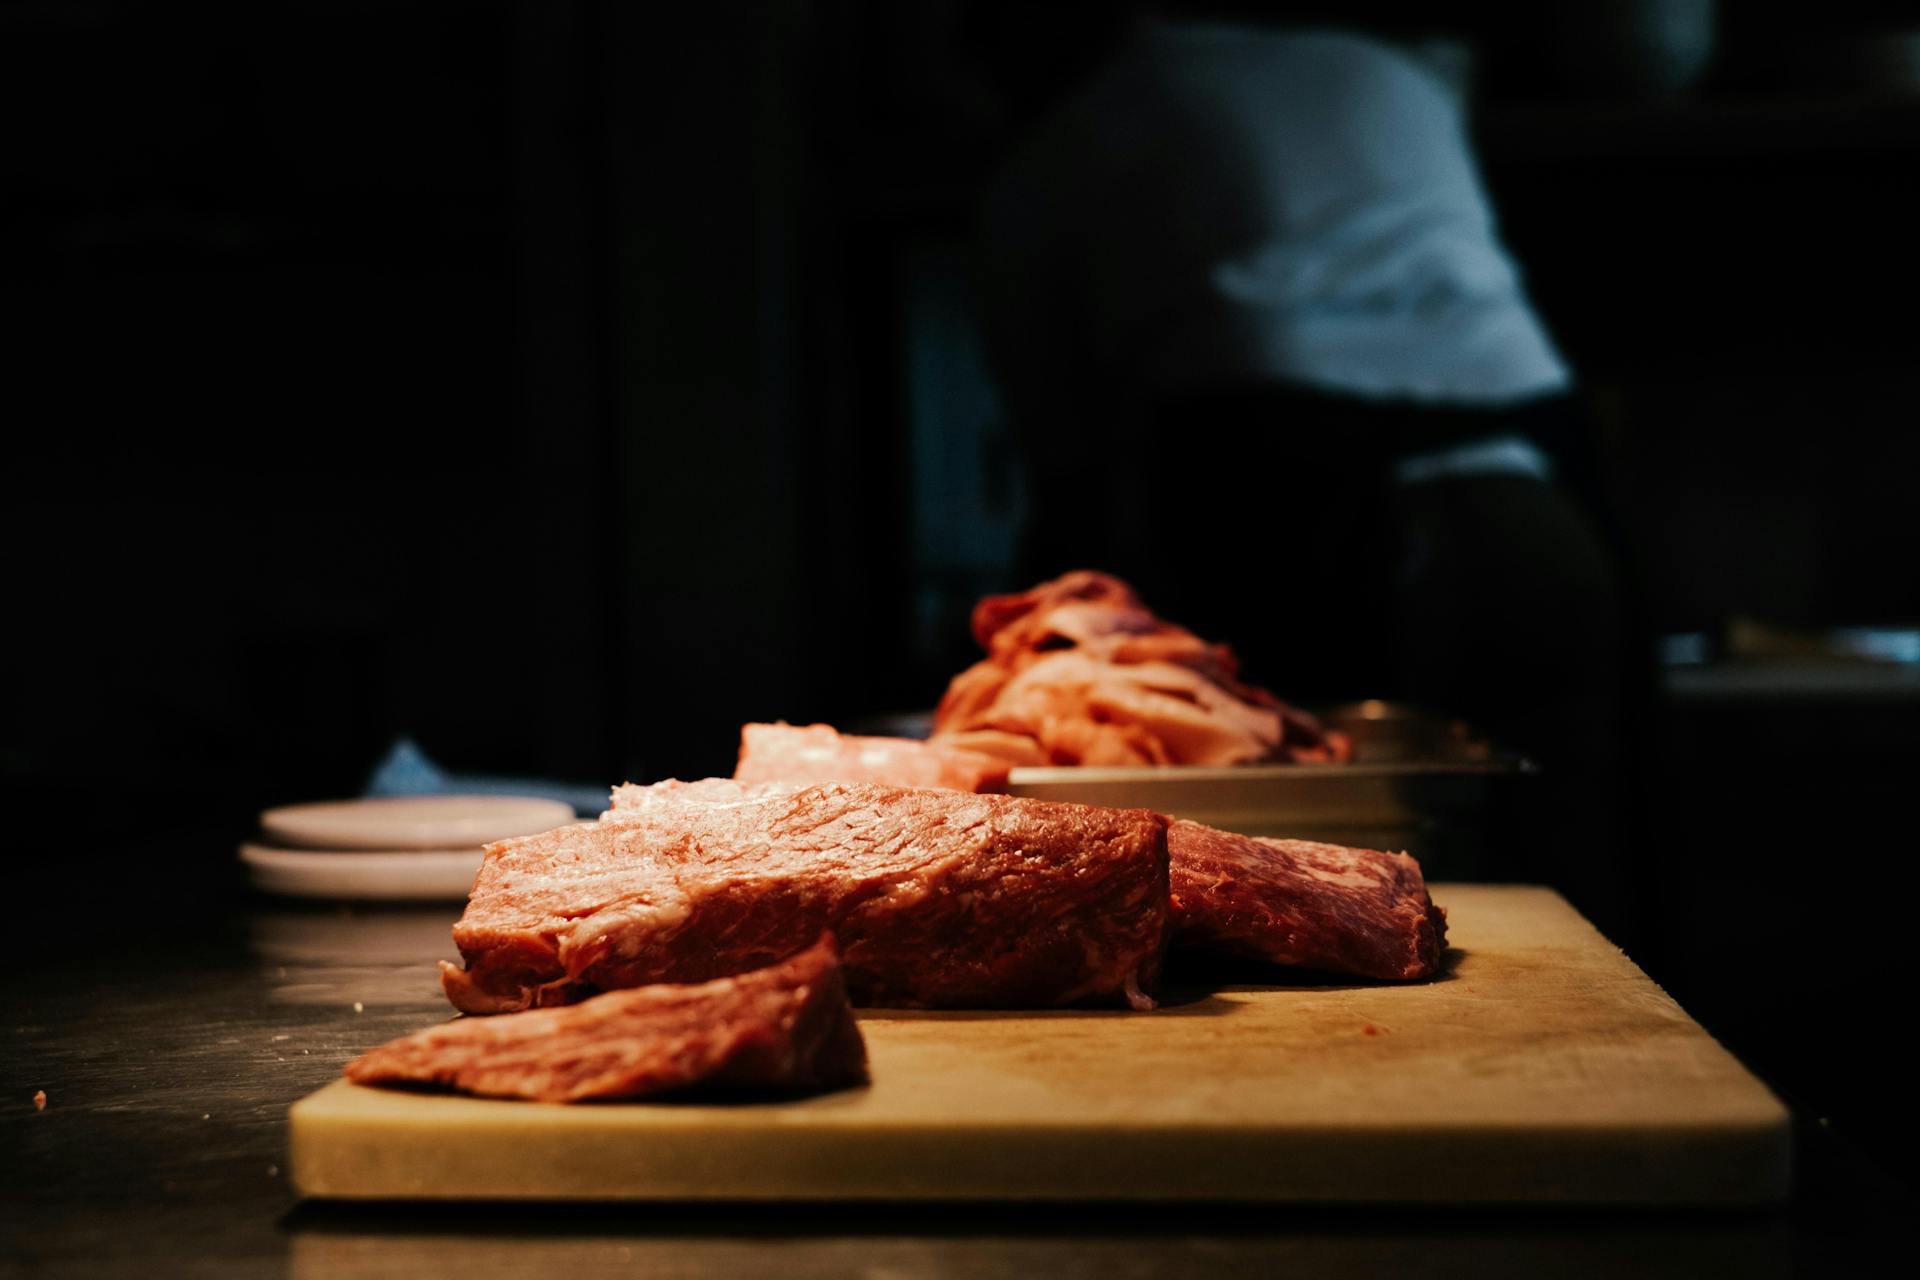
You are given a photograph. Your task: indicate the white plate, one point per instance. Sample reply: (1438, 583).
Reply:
(412, 822)
(392, 875)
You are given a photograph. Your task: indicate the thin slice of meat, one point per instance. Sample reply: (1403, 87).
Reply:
(1010, 745)
(821, 753)
(786, 1028)
(939, 899)
(1298, 902)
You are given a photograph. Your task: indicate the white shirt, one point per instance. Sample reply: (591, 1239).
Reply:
(1222, 204)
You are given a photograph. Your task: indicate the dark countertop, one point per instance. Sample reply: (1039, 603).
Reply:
(169, 1063)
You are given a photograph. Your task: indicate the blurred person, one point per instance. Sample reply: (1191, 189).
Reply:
(1271, 361)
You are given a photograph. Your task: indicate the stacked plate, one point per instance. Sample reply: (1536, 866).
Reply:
(399, 849)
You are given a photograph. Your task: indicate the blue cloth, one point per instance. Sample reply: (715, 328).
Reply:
(406, 770)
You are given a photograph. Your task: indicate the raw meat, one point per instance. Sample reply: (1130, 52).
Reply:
(1079, 672)
(786, 1028)
(939, 899)
(1297, 902)
(821, 753)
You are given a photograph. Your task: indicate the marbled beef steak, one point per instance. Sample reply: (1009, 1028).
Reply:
(1298, 902)
(939, 899)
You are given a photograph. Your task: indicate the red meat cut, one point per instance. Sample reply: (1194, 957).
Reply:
(787, 1028)
(939, 899)
(821, 753)
(1298, 902)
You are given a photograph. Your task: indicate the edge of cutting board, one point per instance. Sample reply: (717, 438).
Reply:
(458, 1155)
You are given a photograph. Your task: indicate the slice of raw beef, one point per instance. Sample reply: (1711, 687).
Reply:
(1297, 902)
(939, 899)
(787, 1028)
(821, 753)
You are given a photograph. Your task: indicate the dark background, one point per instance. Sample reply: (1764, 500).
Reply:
(563, 384)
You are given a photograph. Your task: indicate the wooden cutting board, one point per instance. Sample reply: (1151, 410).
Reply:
(1542, 1067)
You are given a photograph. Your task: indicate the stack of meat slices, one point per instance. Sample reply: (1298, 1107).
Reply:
(1080, 672)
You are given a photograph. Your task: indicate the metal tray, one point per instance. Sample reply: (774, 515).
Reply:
(1418, 783)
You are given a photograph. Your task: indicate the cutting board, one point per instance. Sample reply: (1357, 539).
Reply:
(1543, 1066)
